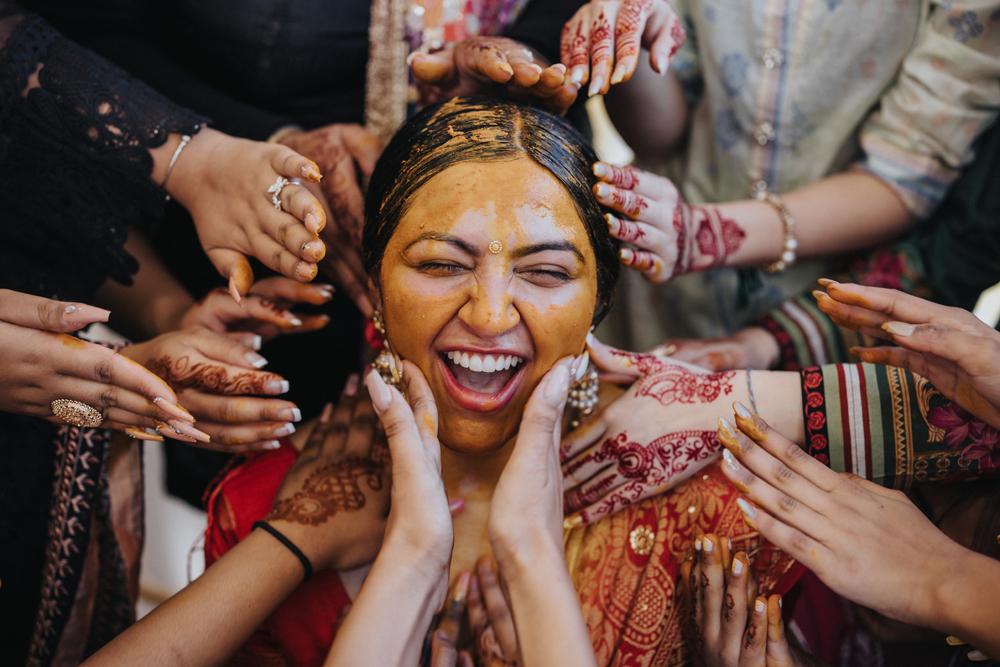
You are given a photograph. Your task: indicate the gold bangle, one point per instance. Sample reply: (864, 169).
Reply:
(788, 251)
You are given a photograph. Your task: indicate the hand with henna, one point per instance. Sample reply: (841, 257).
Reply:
(669, 238)
(42, 363)
(869, 544)
(217, 377)
(495, 66)
(951, 347)
(263, 314)
(646, 441)
(593, 51)
(735, 627)
(224, 184)
(753, 347)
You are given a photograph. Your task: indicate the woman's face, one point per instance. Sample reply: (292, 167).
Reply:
(485, 322)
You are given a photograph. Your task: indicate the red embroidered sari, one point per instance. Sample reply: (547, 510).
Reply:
(624, 568)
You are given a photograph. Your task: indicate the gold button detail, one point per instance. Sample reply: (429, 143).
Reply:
(642, 540)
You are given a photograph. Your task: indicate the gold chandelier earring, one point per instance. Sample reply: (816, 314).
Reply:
(583, 394)
(385, 363)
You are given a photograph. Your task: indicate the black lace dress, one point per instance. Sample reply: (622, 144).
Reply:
(74, 172)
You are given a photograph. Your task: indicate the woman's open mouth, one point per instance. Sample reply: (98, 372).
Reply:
(481, 382)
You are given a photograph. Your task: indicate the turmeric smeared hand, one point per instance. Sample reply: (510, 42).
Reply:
(492, 66)
(951, 347)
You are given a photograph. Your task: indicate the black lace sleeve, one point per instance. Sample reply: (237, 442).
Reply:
(74, 160)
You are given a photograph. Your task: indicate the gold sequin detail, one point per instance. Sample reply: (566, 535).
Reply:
(642, 540)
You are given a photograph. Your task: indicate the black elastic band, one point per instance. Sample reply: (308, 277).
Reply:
(306, 565)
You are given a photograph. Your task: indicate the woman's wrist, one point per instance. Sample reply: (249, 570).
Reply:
(763, 229)
(186, 175)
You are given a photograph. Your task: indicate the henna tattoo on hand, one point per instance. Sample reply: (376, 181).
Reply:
(624, 177)
(208, 378)
(330, 489)
(718, 237)
(628, 231)
(600, 40)
(679, 35)
(628, 27)
(730, 606)
(632, 204)
(573, 46)
(669, 383)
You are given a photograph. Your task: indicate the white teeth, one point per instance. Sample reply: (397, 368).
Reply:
(486, 363)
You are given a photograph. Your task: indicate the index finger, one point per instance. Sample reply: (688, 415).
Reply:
(37, 312)
(905, 307)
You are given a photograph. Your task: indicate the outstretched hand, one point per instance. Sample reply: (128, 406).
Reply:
(492, 66)
(951, 347)
(588, 40)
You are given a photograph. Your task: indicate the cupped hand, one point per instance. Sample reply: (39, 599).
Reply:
(492, 66)
(951, 347)
(224, 184)
(753, 347)
(264, 312)
(333, 502)
(736, 626)
(42, 363)
(869, 544)
(669, 237)
(214, 373)
(649, 440)
(588, 40)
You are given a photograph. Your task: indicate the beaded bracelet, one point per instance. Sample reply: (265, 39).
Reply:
(789, 250)
(306, 565)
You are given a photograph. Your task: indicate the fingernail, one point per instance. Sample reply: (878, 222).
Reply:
(351, 387)
(746, 508)
(312, 223)
(140, 434)
(558, 385)
(233, 292)
(276, 387)
(271, 444)
(826, 282)
(618, 75)
(504, 67)
(305, 271)
(603, 190)
(978, 656)
(780, 600)
(661, 66)
(577, 75)
(708, 545)
(737, 566)
(817, 294)
(462, 587)
(759, 606)
(572, 522)
(952, 640)
(295, 322)
(311, 171)
(730, 460)
(595, 86)
(742, 411)
(601, 170)
(171, 409)
(283, 430)
(729, 543)
(898, 328)
(292, 415)
(626, 255)
(380, 394)
(726, 429)
(188, 430)
(317, 253)
(580, 368)
(697, 544)
(591, 339)
(83, 313)
(455, 505)
(255, 359)
(256, 342)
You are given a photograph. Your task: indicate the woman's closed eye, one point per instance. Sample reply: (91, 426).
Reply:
(442, 268)
(545, 276)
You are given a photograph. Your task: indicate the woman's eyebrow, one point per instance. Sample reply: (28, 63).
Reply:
(444, 238)
(542, 247)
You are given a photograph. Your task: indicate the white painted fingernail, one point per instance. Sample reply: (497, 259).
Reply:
(595, 85)
(271, 444)
(295, 322)
(581, 366)
(296, 415)
(737, 566)
(697, 544)
(255, 360)
(759, 606)
(898, 328)
(256, 342)
(284, 430)
(747, 508)
(709, 546)
(577, 75)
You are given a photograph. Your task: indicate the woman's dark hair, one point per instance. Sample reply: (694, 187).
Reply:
(484, 129)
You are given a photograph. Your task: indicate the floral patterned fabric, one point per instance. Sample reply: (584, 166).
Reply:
(893, 427)
(625, 568)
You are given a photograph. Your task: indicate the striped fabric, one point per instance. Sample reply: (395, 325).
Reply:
(892, 427)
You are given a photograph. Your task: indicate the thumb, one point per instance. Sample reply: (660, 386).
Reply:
(542, 418)
(616, 365)
(234, 266)
(36, 312)
(966, 350)
(432, 68)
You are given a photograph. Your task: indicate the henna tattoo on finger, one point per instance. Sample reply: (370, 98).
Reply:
(209, 378)
(573, 46)
(669, 383)
(628, 27)
(642, 261)
(628, 231)
(600, 40)
(730, 606)
(328, 490)
(679, 35)
(623, 177)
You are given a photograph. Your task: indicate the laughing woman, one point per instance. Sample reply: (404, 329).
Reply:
(492, 261)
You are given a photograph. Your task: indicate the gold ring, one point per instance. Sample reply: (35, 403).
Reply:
(76, 413)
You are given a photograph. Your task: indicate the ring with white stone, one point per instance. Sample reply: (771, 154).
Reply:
(275, 190)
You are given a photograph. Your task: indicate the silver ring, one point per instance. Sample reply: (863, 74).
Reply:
(275, 190)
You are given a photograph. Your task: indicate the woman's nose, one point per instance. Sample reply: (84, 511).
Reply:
(490, 309)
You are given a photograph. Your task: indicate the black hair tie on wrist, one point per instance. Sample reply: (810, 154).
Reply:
(306, 565)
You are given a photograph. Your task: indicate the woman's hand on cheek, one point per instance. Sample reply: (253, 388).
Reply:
(224, 184)
(213, 372)
(649, 440)
(419, 525)
(492, 65)
(333, 501)
(263, 312)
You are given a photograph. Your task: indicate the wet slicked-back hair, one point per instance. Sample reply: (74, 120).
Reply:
(484, 129)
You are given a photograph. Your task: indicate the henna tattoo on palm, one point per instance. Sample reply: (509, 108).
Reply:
(328, 490)
(631, 16)
(669, 383)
